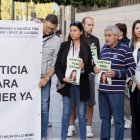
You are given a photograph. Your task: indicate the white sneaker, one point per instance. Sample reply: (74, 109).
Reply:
(43, 138)
(71, 131)
(89, 132)
(127, 124)
(112, 121)
(49, 124)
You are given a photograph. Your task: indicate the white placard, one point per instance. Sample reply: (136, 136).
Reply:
(73, 72)
(20, 70)
(104, 66)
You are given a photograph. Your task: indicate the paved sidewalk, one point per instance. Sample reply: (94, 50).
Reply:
(56, 114)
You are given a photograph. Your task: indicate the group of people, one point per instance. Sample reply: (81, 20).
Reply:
(79, 99)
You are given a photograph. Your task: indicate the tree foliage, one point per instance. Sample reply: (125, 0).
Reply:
(5, 9)
(40, 10)
(75, 3)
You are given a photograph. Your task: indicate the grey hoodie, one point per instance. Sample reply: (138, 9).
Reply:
(50, 47)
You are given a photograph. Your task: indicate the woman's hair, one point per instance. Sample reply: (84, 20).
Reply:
(134, 38)
(101, 78)
(79, 25)
(123, 28)
(129, 84)
(71, 75)
(83, 43)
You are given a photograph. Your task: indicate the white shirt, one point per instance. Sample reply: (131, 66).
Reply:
(73, 52)
(136, 51)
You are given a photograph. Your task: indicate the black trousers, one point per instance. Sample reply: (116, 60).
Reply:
(135, 110)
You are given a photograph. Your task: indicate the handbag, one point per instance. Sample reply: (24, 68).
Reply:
(59, 86)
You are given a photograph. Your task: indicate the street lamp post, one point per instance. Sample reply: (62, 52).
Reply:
(12, 10)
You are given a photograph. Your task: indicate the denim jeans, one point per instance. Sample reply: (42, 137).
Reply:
(45, 103)
(111, 105)
(67, 106)
(135, 110)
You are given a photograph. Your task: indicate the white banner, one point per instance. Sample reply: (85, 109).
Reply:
(20, 71)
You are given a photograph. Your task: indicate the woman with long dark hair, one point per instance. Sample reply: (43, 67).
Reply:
(127, 109)
(135, 96)
(76, 47)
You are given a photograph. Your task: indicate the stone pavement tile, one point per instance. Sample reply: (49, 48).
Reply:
(54, 132)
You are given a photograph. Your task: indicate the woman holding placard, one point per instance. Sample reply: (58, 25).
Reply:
(75, 47)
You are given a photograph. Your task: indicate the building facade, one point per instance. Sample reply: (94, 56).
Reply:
(122, 11)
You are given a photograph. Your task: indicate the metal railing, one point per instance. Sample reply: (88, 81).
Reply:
(115, 3)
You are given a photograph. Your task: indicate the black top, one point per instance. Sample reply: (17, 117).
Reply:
(125, 41)
(60, 69)
(93, 39)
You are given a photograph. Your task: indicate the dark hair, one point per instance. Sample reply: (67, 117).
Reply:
(134, 38)
(128, 83)
(52, 18)
(123, 28)
(84, 52)
(79, 25)
(71, 75)
(101, 79)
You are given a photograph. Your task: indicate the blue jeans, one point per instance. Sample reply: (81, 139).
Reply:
(111, 105)
(81, 112)
(45, 104)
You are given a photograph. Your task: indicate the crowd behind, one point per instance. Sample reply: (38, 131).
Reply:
(118, 104)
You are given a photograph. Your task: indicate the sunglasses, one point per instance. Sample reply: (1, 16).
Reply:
(75, 23)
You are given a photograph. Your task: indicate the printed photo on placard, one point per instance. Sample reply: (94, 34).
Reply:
(131, 83)
(73, 71)
(104, 66)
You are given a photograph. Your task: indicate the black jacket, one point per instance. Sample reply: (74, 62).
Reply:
(126, 41)
(60, 69)
(93, 39)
